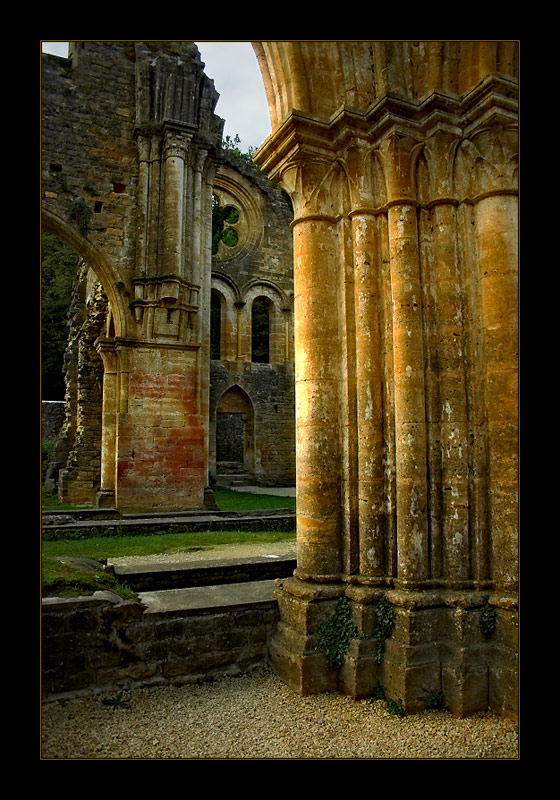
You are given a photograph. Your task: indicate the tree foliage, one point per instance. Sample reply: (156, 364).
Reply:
(59, 269)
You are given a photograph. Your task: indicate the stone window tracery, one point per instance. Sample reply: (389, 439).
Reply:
(223, 220)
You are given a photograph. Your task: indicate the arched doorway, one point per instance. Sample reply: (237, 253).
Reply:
(235, 449)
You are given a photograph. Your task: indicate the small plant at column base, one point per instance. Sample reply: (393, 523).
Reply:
(435, 701)
(385, 620)
(335, 635)
(115, 702)
(391, 706)
(487, 619)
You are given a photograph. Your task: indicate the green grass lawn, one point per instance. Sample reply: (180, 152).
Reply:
(59, 579)
(228, 500)
(153, 544)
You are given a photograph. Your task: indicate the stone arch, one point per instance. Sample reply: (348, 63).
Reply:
(97, 260)
(235, 433)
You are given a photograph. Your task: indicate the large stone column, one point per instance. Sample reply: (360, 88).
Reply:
(175, 146)
(408, 365)
(425, 350)
(308, 599)
(318, 417)
(453, 554)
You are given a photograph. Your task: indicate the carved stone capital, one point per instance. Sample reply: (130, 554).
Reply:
(176, 143)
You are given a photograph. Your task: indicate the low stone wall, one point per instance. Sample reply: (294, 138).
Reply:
(103, 643)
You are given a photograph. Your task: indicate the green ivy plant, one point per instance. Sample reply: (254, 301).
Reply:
(115, 702)
(435, 701)
(335, 635)
(487, 619)
(385, 620)
(393, 707)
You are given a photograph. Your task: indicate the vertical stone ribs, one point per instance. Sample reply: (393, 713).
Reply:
(178, 139)
(405, 244)
(438, 325)
(174, 89)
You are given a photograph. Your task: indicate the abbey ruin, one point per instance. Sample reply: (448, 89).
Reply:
(395, 316)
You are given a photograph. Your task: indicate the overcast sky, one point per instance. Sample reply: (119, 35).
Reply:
(233, 68)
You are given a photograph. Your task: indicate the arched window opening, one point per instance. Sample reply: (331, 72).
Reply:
(215, 326)
(260, 331)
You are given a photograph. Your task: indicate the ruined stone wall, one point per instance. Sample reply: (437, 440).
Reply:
(264, 266)
(74, 465)
(106, 643)
(130, 147)
(52, 418)
(90, 164)
(271, 391)
(258, 266)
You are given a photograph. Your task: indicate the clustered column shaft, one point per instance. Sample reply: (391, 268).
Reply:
(317, 361)
(369, 400)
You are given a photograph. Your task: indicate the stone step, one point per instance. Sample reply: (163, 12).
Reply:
(171, 522)
(202, 598)
(165, 577)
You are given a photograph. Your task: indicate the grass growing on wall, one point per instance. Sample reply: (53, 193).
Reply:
(65, 580)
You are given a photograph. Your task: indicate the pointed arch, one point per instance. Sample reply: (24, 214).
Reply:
(94, 258)
(235, 434)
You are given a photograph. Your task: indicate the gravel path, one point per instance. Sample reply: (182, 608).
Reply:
(216, 552)
(256, 716)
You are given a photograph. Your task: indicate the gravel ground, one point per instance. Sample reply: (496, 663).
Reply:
(256, 716)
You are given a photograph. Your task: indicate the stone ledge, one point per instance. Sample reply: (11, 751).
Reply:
(225, 596)
(158, 577)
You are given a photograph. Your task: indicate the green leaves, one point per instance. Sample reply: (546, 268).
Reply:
(487, 619)
(335, 635)
(384, 615)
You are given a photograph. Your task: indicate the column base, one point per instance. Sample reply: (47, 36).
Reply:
(105, 498)
(436, 651)
(294, 653)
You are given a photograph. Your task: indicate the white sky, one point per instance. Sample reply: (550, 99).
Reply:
(233, 68)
